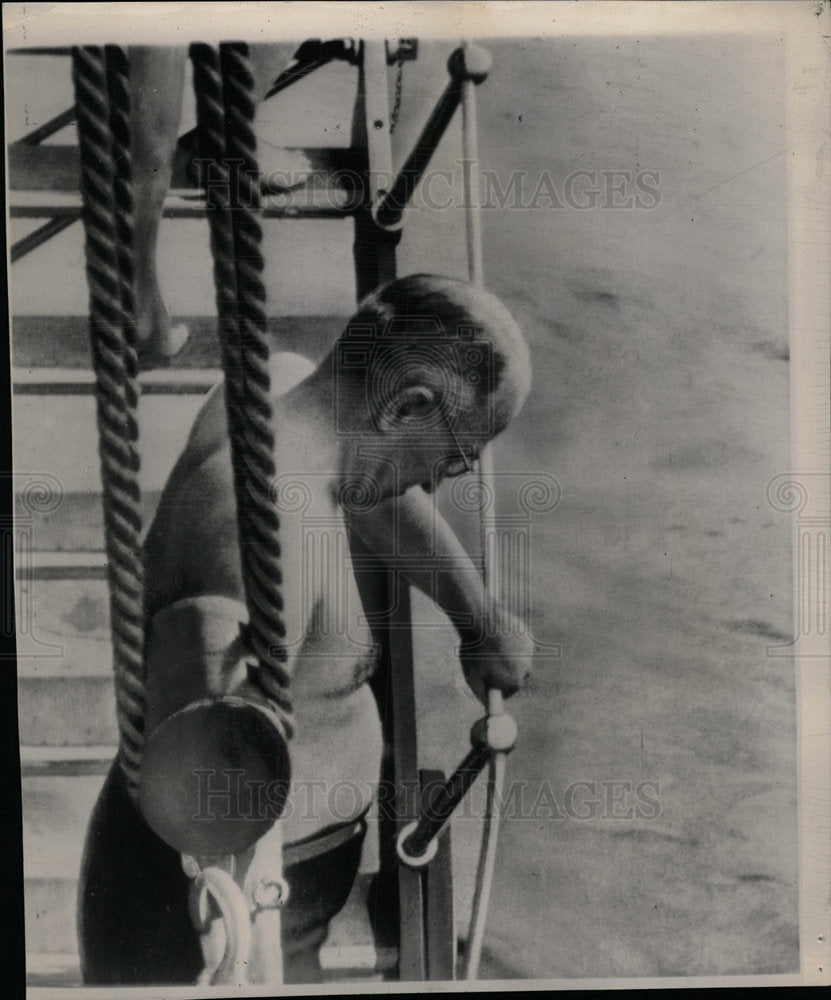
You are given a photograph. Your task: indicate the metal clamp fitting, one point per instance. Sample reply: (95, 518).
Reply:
(409, 859)
(270, 894)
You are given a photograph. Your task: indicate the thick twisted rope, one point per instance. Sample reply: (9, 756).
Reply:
(118, 84)
(102, 103)
(225, 115)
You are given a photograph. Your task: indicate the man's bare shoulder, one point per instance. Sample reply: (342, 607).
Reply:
(209, 433)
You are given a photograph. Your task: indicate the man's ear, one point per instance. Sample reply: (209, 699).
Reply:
(411, 406)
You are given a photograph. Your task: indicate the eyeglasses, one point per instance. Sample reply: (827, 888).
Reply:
(457, 465)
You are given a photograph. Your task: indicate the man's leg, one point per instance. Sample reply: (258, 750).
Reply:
(318, 890)
(134, 925)
(133, 920)
(157, 77)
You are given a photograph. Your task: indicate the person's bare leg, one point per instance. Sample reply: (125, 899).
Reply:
(157, 77)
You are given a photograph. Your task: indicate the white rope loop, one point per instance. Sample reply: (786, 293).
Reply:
(216, 884)
(490, 567)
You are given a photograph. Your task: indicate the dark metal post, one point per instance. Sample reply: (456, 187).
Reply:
(395, 901)
(465, 64)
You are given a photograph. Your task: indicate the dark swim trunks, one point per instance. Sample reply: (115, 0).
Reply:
(134, 926)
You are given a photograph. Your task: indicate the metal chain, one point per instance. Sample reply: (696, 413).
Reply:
(396, 107)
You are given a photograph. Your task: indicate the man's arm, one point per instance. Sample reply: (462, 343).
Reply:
(411, 528)
(431, 557)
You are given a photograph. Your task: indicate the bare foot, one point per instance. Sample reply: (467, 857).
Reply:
(158, 340)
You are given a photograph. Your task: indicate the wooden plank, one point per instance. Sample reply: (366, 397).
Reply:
(66, 711)
(282, 167)
(63, 341)
(52, 969)
(29, 204)
(62, 566)
(303, 203)
(68, 446)
(77, 524)
(43, 168)
(60, 970)
(439, 918)
(41, 50)
(56, 167)
(55, 814)
(50, 905)
(50, 761)
(78, 382)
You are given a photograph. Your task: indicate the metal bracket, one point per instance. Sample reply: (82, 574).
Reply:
(311, 55)
(406, 49)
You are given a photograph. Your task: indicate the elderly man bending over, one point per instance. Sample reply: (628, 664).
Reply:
(426, 372)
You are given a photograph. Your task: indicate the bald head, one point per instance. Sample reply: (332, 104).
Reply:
(449, 335)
